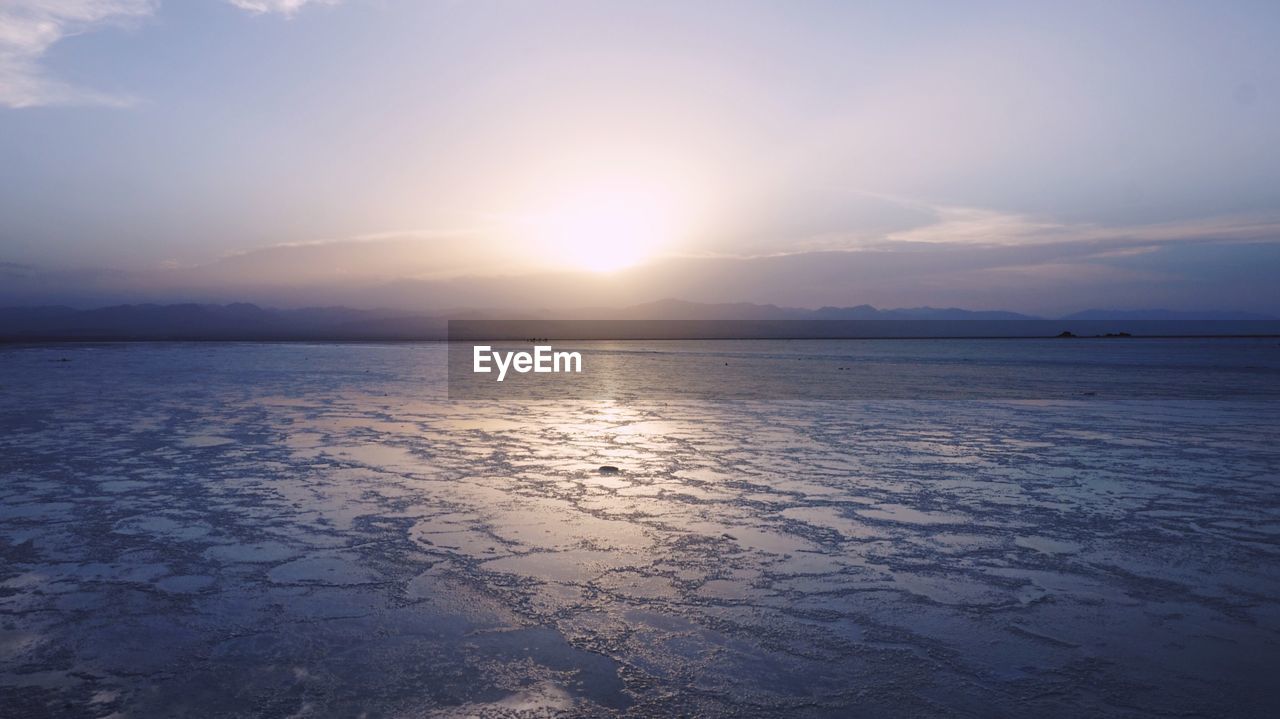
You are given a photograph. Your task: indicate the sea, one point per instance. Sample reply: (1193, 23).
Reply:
(809, 528)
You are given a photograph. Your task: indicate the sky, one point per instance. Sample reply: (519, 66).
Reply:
(1038, 157)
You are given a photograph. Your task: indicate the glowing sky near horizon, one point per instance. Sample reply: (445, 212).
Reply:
(138, 134)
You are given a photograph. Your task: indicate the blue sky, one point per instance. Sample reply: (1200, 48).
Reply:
(1056, 154)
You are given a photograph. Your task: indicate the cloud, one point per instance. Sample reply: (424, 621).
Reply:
(284, 7)
(14, 269)
(1159, 266)
(28, 28)
(954, 225)
(974, 226)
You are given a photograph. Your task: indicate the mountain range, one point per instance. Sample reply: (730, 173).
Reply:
(243, 321)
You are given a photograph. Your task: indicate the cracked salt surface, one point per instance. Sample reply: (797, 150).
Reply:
(272, 530)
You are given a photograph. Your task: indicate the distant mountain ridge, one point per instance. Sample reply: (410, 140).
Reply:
(1164, 315)
(243, 321)
(673, 309)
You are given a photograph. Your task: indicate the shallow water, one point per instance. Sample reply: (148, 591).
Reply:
(314, 530)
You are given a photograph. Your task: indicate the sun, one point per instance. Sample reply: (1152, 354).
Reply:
(605, 227)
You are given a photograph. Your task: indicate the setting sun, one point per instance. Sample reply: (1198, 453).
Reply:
(604, 228)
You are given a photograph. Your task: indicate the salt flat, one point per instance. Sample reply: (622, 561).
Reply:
(315, 530)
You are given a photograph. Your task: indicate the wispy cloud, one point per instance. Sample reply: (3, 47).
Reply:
(965, 225)
(954, 225)
(29, 28)
(284, 7)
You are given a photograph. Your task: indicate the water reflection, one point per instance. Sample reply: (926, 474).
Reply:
(362, 544)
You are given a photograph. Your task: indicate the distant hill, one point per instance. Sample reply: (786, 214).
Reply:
(673, 309)
(242, 321)
(1165, 315)
(238, 321)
